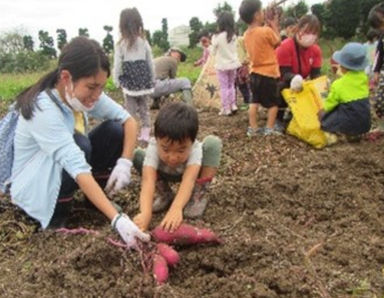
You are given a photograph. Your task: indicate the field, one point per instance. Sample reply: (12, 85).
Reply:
(13, 84)
(296, 222)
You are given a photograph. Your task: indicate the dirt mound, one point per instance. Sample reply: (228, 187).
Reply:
(297, 222)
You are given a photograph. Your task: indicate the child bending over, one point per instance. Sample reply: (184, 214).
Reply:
(174, 155)
(347, 108)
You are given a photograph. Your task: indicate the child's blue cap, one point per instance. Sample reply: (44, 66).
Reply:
(352, 56)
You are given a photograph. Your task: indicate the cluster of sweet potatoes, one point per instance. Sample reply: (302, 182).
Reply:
(164, 255)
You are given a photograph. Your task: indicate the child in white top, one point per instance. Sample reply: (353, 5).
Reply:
(133, 68)
(225, 52)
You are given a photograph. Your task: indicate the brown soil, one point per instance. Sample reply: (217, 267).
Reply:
(297, 222)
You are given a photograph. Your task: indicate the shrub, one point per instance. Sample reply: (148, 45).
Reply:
(23, 61)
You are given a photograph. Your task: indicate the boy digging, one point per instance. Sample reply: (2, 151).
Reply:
(174, 155)
(260, 42)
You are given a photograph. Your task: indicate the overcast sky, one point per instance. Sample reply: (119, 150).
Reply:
(29, 16)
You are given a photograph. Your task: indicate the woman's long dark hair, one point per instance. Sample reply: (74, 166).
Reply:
(226, 22)
(82, 57)
(131, 25)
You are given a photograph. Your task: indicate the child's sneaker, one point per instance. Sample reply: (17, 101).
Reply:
(164, 196)
(332, 139)
(271, 132)
(198, 201)
(225, 112)
(279, 126)
(251, 132)
(234, 108)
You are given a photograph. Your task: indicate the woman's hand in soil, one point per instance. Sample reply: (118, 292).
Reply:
(142, 220)
(128, 230)
(172, 219)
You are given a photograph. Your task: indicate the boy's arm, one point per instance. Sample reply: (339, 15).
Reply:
(275, 32)
(147, 193)
(332, 100)
(174, 216)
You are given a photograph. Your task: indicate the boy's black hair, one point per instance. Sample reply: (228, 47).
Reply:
(177, 122)
(248, 8)
(372, 34)
(376, 16)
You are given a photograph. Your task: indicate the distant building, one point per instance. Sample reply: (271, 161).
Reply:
(179, 36)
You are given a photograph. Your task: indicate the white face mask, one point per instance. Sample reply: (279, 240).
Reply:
(307, 40)
(75, 103)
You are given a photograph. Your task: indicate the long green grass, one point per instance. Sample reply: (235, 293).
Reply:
(13, 84)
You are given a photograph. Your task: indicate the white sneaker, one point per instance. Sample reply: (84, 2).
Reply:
(332, 139)
(234, 108)
(224, 112)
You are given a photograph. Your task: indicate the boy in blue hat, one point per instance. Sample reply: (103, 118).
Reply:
(347, 109)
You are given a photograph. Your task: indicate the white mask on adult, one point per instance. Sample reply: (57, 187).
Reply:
(307, 40)
(75, 103)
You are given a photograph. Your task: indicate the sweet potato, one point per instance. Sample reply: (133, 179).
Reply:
(168, 253)
(185, 235)
(160, 269)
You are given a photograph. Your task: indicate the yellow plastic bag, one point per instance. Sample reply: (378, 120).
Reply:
(305, 106)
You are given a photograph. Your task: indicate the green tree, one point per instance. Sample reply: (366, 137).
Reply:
(342, 18)
(196, 26)
(16, 54)
(28, 42)
(83, 32)
(223, 7)
(298, 10)
(365, 7)
(157, 38)
(319, 10)
(210, 27)
(108, 40)
(61, 38)
(164, 29)
(46, 44)
(160, 37)
(11, 42)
